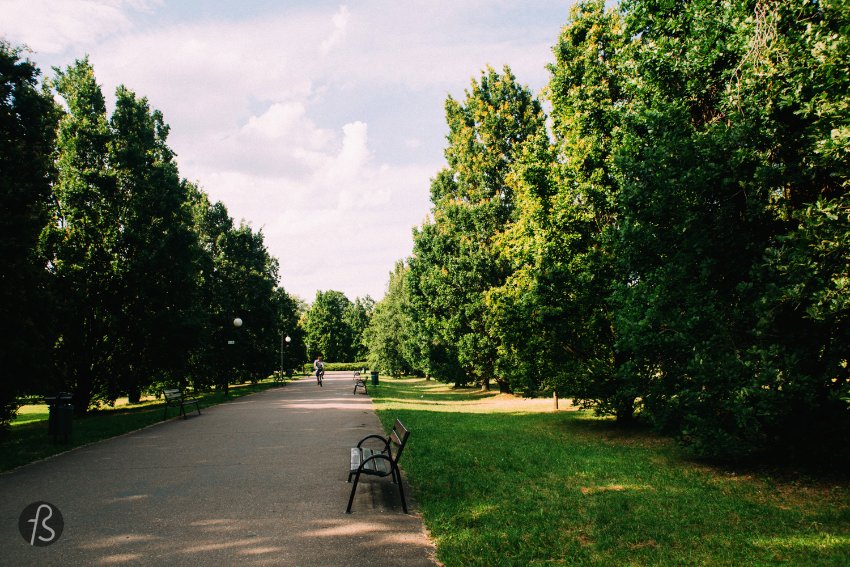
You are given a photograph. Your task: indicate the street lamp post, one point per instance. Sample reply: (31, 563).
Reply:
(237, 322)
(283, 339)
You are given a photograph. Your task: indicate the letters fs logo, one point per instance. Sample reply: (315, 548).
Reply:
(41, 524)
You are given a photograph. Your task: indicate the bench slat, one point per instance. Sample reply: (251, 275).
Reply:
(377, 467)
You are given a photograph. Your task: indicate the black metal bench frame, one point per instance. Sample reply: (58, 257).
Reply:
(175, 397)
(359, 383)
(379, 462)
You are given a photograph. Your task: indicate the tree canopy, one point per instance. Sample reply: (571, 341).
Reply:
(334, 326)
(121, 276)
(672, 248)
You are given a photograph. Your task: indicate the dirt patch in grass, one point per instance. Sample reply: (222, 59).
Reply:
(437, 396)
(512, 403)
(593, 489)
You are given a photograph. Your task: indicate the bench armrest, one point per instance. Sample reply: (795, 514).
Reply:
(383, 439)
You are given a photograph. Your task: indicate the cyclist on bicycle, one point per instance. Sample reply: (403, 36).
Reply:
(319, 367)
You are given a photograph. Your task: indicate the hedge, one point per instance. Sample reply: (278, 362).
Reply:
(338, 366)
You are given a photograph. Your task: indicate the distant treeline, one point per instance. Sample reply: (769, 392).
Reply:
(668, 244)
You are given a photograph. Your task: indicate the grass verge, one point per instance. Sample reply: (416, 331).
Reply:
(27, 440)
(564, 488)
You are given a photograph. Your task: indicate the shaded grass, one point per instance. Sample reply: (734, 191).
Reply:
(565, 488)
(27, 440)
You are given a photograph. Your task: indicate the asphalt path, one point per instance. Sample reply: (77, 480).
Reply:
(261, 480)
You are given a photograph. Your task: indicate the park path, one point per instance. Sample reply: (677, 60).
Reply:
(260, 480)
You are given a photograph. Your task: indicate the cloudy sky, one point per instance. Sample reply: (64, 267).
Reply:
(320, 123)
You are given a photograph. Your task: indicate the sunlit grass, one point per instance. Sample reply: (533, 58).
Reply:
(565, 488)
(30, 413)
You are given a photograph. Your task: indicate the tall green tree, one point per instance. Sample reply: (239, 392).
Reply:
(587, 90)
(290, 310)
(553, 315)
(156, 250)
(252, 275)
(692, 223)
(210, 362)
(389, 336)
(726, 149)
(794, 80)
(238, 279)
(328, 333)
(357, 319)
(27, 127)
(82, 239)
(455, 260)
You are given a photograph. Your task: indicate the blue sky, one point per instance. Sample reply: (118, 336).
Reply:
(320, 123)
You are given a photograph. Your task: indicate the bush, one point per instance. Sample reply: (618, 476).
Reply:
(338, 366)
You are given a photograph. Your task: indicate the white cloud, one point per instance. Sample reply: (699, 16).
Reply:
(340, 24)
(53, 27)
(306, 121)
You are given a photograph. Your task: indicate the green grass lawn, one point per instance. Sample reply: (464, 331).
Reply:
(27, 440)
(566, 488)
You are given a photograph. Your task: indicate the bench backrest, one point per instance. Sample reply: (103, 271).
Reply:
(398, 439)
(172, 394)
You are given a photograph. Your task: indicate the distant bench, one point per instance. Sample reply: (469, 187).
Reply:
(175, 397)
(359, 383)
(379, 462)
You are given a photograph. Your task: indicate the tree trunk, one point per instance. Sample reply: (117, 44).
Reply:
(82, 393)
(625, 412)
(134, 395)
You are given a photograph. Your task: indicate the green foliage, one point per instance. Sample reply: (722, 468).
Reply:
(289, 313)
(326, 333)
(82, 239)
(27, 129)
(357, 319)
(798, 358)
(721, 146)
(553, 314)
(150, 271)
(237, 278)
(156, 251)
(389, 337)
(456, 258)
(334, 326)
(124, 276)
(307, 368)
(676, 247)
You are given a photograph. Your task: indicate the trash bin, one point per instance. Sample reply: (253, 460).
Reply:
(374, 378)
(60, 417)
(64, 420)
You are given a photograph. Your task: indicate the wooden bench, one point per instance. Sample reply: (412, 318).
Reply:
(175, 397)
(379, 462)
(359, 383)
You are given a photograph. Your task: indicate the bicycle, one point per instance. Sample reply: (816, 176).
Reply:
(320, 375)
